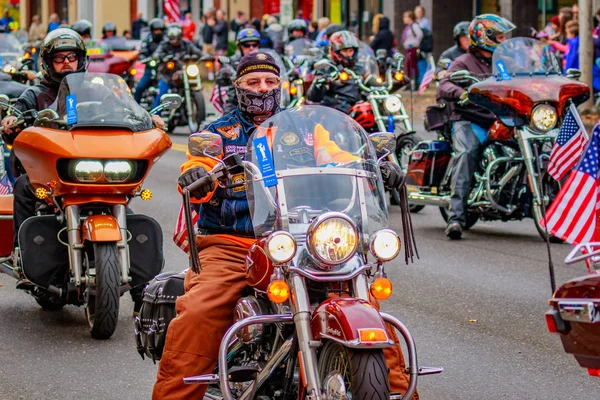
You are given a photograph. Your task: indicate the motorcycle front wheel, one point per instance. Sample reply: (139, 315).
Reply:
(198, 112)
(404, 146)
(364, 372)
(102, 309)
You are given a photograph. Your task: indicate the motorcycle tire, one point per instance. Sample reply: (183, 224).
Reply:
(404, 145)
(364, 372)
(102, 309)
(471, 218)
(199, 108)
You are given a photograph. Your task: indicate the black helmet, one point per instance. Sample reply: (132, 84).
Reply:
(157, 24)
(174, 33)
(461, 29)
(298, 25)
(83, 27)
(333, 28)
(62, 39)
(108, 27)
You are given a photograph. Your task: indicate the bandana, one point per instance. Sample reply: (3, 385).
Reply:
(256, 107)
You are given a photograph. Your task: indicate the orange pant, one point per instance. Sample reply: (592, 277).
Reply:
(205, 313)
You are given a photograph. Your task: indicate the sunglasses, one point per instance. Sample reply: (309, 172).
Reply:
(60, 58)
(250, 45)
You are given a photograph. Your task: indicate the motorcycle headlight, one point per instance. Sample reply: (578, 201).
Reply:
(281, 247)
(544, 117)
(385, 245)
(393, 104)
(117, 171)
(332, 238)
(88, 171)
(192, 70)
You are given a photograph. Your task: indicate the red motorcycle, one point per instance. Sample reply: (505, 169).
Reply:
(116, 61)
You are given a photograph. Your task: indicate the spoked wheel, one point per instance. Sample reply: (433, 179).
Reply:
(364, 372)
(550, 188)
(198, 112)
(404, 146)
(102, 308)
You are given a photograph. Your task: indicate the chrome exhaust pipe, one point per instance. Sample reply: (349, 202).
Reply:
(426, 199)
(9, 270)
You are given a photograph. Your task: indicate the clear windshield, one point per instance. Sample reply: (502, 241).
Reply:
(324, 162)
(100, 100)
(9, 44)
(524, 56)
(366, 58)
(282, 68)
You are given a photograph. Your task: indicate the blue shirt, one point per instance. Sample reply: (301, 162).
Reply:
(572, 59)
(53, 25)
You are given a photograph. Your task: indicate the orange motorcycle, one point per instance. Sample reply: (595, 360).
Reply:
(86, 158)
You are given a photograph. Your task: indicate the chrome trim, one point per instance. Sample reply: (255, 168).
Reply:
(528, 134)
(283, 210)
(268, 240)
(74, 240)
(372, 242)
(315, 225)
(362, 200)
(120, 214)
(325, 171)
(357, 344)
(208, 379)
(361, 287)
(248, 307)
(588, 250)
(330, 276)
(6, 217)
(427, 199)
(507, 176)
(584, 311)
(334, 387)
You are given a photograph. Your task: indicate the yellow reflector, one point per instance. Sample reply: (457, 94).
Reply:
(293, 90)
(132, 71)
(146, 194)
(381, 288)
(399, 76)
(278, 291)
(373, 335)
(41, 193)
(344, 76)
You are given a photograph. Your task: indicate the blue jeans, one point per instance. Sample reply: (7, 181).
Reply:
(163, 88)
(143, 85)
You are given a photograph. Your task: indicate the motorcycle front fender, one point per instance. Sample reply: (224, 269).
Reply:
(100, 228)
(352, 322)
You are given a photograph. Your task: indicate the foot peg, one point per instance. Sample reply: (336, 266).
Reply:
(428, 370)
(209, 379)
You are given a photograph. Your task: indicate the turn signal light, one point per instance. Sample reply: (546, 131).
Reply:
(372, 335)
(41, 193)
(278, 291)
(26, 55)
(170, 65)
(551, 323)
(293, 90)
(594, 372)
(146, 194)
(33, 50)
(132, 71)
(208, 64)
(344, 76)
(381, 288)
(399, 76)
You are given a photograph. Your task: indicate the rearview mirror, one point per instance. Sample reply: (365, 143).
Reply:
(573, 73)
(48, 114)
(4, 102)
(314, 51)
(384, 143)
(170, 101)
(205, 144)
(381, 53)
(224, 60)
(460, 75)
(444, 63)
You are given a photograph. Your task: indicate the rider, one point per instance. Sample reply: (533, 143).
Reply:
(84, 28)
(297, 29)
(109, 30)
(341, 95)
(470, 122)
(149, 46)
(248, 40)
(461, 37)
(175, 46)
(226, 234)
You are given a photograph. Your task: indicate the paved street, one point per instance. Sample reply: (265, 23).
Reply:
(475, 307)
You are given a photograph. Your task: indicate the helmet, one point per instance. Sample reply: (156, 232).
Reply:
(62, 39)
(485, 27)
(83, 27)
(247, 35)
(157, 23)
(343, 40)
(461, 29)
(333, 28)
(174, 33)
(298, 25)
(108, 27)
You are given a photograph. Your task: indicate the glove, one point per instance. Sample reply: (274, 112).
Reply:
(192, 175)
(321, 82)
(464, 96)
(393, 177)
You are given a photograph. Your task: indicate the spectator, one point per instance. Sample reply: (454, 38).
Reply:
(323, 23)
(384, 38)
(553, 27)
(137, 26)
(189, 27)
(571, 49)
(423, 21)
(221, 33)
(127, 35)
(37, 30)
(208, 33)
(275, 32)
(239, 22)
(54, 22)
(575, 11)
(313, 30)
(565, 15)
(265, 40)
(411, 40)
(5, 21)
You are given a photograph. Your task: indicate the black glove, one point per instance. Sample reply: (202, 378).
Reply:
(192, 175)
(321, 82)
(393, 177)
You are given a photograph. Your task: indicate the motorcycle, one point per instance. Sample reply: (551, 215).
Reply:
(103, 59)
(307, 328)
(86, 158)
(511, 182)
(575, 310)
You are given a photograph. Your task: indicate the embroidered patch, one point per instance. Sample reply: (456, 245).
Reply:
(289, 139)
(238, 178)
(261, 56)
(301, 150)
(230, 132)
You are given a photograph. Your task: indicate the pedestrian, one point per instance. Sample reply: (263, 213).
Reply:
(37, 30)
(54, 22)
(5, 21)
(422, 20)
(137, 26)
(426, 45)
(571, 49)
(265, 40)
(208, 33)
(221, 33)
(575, 11)
(189, 27)
(553, 28)
(127, 34)
(565, 15)
(322, 23)
(313, 30)
(275, 31)
(239, 22)
(411, 40)
(384, 39)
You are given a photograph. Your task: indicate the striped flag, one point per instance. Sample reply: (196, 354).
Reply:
(572, 215)
(180, 236)
(5, 185)
(427, 79)
(172, 10)
(219, 97)
(569, 145)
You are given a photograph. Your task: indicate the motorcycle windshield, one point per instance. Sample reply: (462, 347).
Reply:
(9, 44)
(97, 100)
(524, 56)
(282, 68)
(298, 47)
(323, 162)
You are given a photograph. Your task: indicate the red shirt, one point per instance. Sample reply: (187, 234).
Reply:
(189, 29)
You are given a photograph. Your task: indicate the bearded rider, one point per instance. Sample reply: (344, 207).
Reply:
(470, 123)
(463, 41)
(226, 234)
(149, 46)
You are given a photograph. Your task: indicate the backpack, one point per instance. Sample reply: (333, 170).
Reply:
(426, 45)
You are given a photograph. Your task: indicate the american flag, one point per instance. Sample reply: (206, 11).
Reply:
(5, 185)
(569, 145)
(427, 79)
(172, 10)
(219, 97)
(180, 235)
(572, 215)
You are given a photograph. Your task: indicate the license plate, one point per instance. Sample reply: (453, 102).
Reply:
(94, 51)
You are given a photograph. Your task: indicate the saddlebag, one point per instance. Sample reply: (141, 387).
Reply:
(428, 163)
(437, 119)
(145, 248)
(158, 309)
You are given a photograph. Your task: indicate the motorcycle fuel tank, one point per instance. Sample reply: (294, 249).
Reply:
(428, 162)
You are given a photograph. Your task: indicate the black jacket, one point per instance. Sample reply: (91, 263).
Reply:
(207, 34)
(221, 31)
(384, 38)
(225, 77)
(148, 46)
(165, 49)
(451, 54)
(38, 97)
(339, 95)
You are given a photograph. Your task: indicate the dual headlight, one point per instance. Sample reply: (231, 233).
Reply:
(91, 171)
(192, 70)
(544, 117)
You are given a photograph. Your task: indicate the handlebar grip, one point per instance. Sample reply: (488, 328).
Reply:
(200, 182)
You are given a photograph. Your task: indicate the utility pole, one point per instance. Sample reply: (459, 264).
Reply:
(586, 48)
